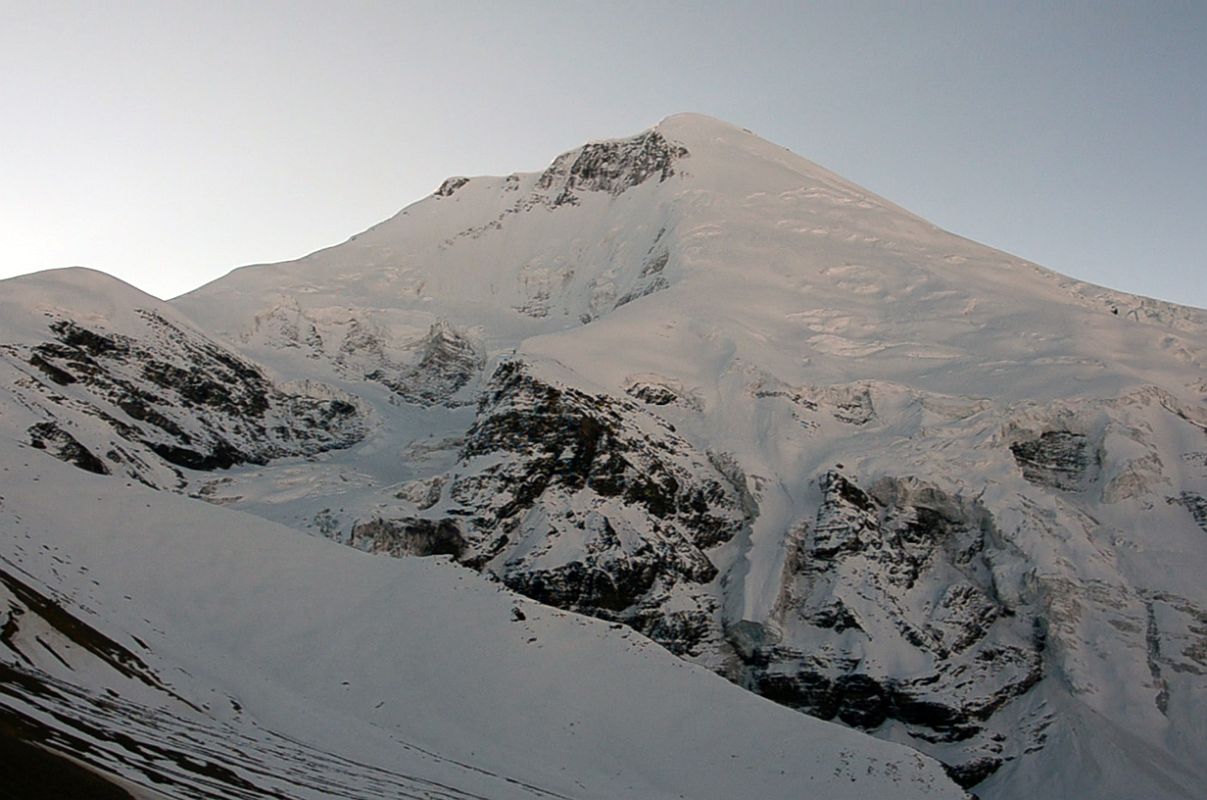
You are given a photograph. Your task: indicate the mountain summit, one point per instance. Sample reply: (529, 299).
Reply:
(697, 387)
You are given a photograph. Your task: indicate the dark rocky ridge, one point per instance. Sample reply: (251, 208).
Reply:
(173, 396)
(409, 536)
(857, 587)
(1194, 503)
(65, 447)
(451, 185)
(590, 504)
(30, 771)
(448, 360)
(1057, 459)
(611, 167)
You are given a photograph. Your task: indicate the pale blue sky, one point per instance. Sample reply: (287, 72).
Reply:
(168, 142)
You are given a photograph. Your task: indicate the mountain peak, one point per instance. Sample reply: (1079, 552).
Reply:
(27, 301)
(694, 122)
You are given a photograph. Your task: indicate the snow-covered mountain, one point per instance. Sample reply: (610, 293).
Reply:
(687, 383)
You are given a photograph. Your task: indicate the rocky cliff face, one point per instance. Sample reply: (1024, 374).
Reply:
(611, 167)
(447, 360)
(588, 503)
(888, 612)
(146, 406)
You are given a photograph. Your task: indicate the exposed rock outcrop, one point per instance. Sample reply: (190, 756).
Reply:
(895, 575)
(611, 166)
(1057, 459)
(448, 360)
(171, 395)
(589, 503)
(411, 536)
(63, 446)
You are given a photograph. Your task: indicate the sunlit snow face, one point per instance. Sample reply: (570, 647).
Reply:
(224, 136)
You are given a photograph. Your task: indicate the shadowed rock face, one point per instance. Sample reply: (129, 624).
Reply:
(410, 536)
(653, 394)
(28, 771)
(448, 360)
(858, 602)
(450, 186)
(611, 167)
(574, 440)
(1194, 503)
(175, 396)
(63, 446)
(589, 503)
(1057, 459)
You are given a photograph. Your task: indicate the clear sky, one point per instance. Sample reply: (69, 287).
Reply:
(168, 142)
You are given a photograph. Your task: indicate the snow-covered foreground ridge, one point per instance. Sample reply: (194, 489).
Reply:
(163, 638)
(687, 383)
